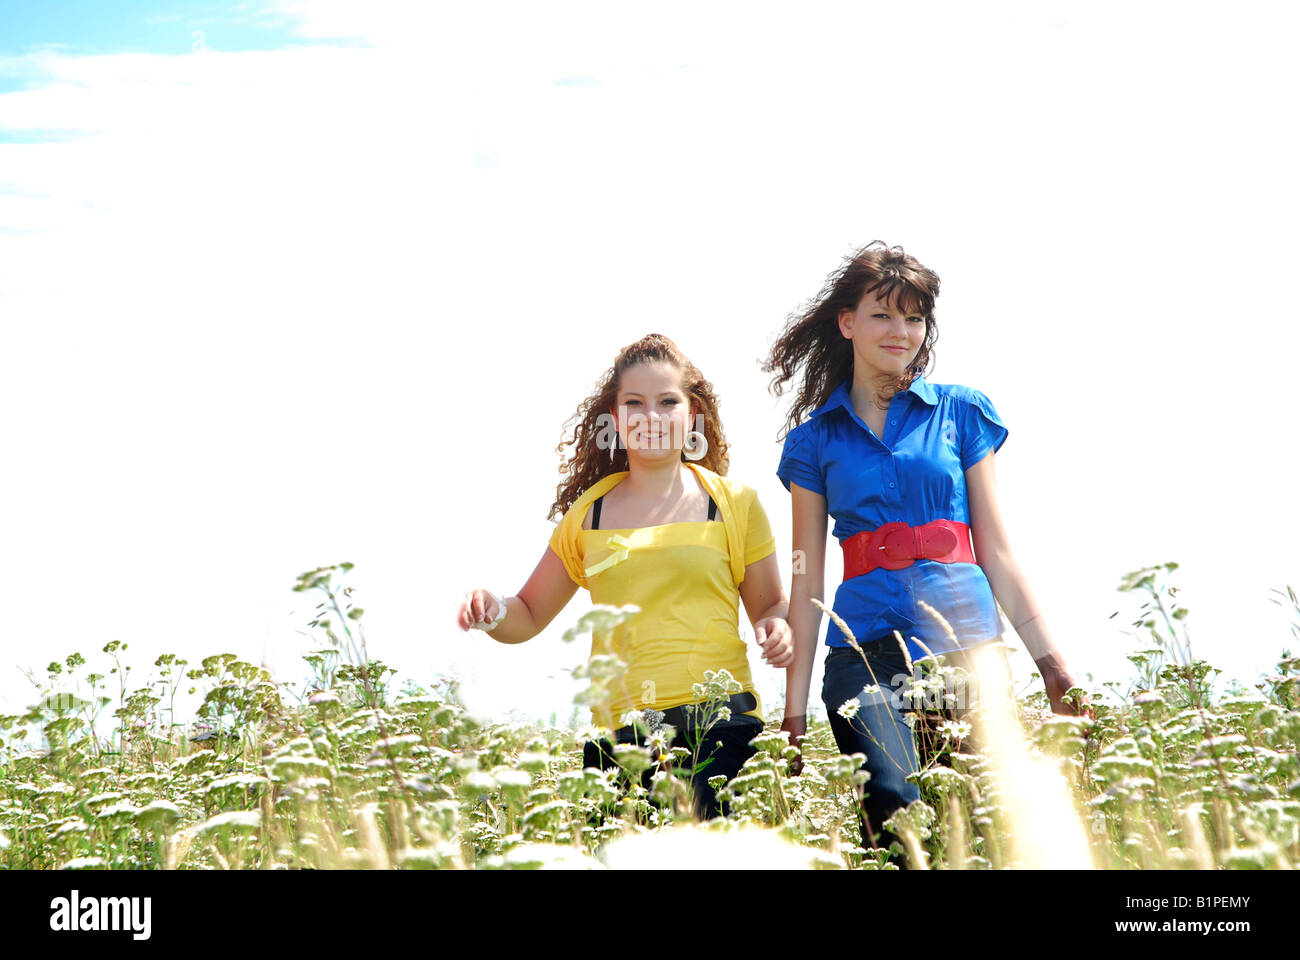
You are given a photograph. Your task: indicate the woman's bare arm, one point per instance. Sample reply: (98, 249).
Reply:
(808, 511)
(537, 604)
(1010, 585)
(768, 609)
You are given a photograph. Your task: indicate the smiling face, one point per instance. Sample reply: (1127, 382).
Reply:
(886, 337)
(653, 411)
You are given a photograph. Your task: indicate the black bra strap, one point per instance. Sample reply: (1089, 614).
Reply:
(713, 509)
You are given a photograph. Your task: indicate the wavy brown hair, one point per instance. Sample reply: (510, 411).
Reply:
(585, 462)
(812, 349)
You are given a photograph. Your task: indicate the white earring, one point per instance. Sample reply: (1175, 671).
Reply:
(696, 446)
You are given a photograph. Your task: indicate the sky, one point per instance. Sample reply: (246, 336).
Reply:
(284, 284)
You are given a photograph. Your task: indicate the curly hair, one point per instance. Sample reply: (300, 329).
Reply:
(812, 339)
(586, 461)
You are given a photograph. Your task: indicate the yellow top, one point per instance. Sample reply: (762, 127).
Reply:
(684, 577)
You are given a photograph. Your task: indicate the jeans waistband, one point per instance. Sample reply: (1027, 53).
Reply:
(683, 717)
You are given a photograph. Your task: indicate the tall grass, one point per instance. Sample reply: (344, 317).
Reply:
(354, 773)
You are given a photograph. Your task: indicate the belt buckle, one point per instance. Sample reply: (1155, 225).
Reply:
(892, 546)
(936, 541)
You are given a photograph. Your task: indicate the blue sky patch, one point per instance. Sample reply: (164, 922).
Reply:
(99, 27)
(38, 135)
(87, 27)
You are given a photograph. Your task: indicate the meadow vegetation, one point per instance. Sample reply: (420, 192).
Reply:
(350, 771)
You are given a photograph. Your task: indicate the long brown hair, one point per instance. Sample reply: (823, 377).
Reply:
(812, 339)
(586, 461)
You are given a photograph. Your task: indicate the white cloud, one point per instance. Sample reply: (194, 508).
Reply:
(272, 315)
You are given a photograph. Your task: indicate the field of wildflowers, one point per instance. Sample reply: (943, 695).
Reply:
(352, 773)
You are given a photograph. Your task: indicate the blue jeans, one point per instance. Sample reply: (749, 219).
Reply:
(878, 730)
(724, 751)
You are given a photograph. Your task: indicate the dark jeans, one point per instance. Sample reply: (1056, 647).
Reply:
(879, 729)
(723, 750)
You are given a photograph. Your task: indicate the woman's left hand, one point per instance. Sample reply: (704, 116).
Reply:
(777, 642)
(1057, 680)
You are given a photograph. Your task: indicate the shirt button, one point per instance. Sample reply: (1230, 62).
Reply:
(893, 422)
(891, 485)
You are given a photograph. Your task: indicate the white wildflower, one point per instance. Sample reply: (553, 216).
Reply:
(955, 729)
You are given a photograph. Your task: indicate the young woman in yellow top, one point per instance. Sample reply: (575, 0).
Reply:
(649, 518)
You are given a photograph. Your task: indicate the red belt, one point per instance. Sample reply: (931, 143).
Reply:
(896, 545)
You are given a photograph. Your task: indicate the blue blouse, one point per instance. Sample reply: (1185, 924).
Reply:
(914, 474)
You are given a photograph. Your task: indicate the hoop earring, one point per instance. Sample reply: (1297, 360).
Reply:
(696, 446)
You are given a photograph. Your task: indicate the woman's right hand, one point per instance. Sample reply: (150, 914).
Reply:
(479, 607)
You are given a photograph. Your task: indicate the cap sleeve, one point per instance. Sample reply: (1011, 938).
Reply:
(759, 541)
(982, 430)
(566, 539)
(800, 463)
(569, 553)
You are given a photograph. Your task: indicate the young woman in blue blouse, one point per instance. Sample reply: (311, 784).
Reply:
(905, 469)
